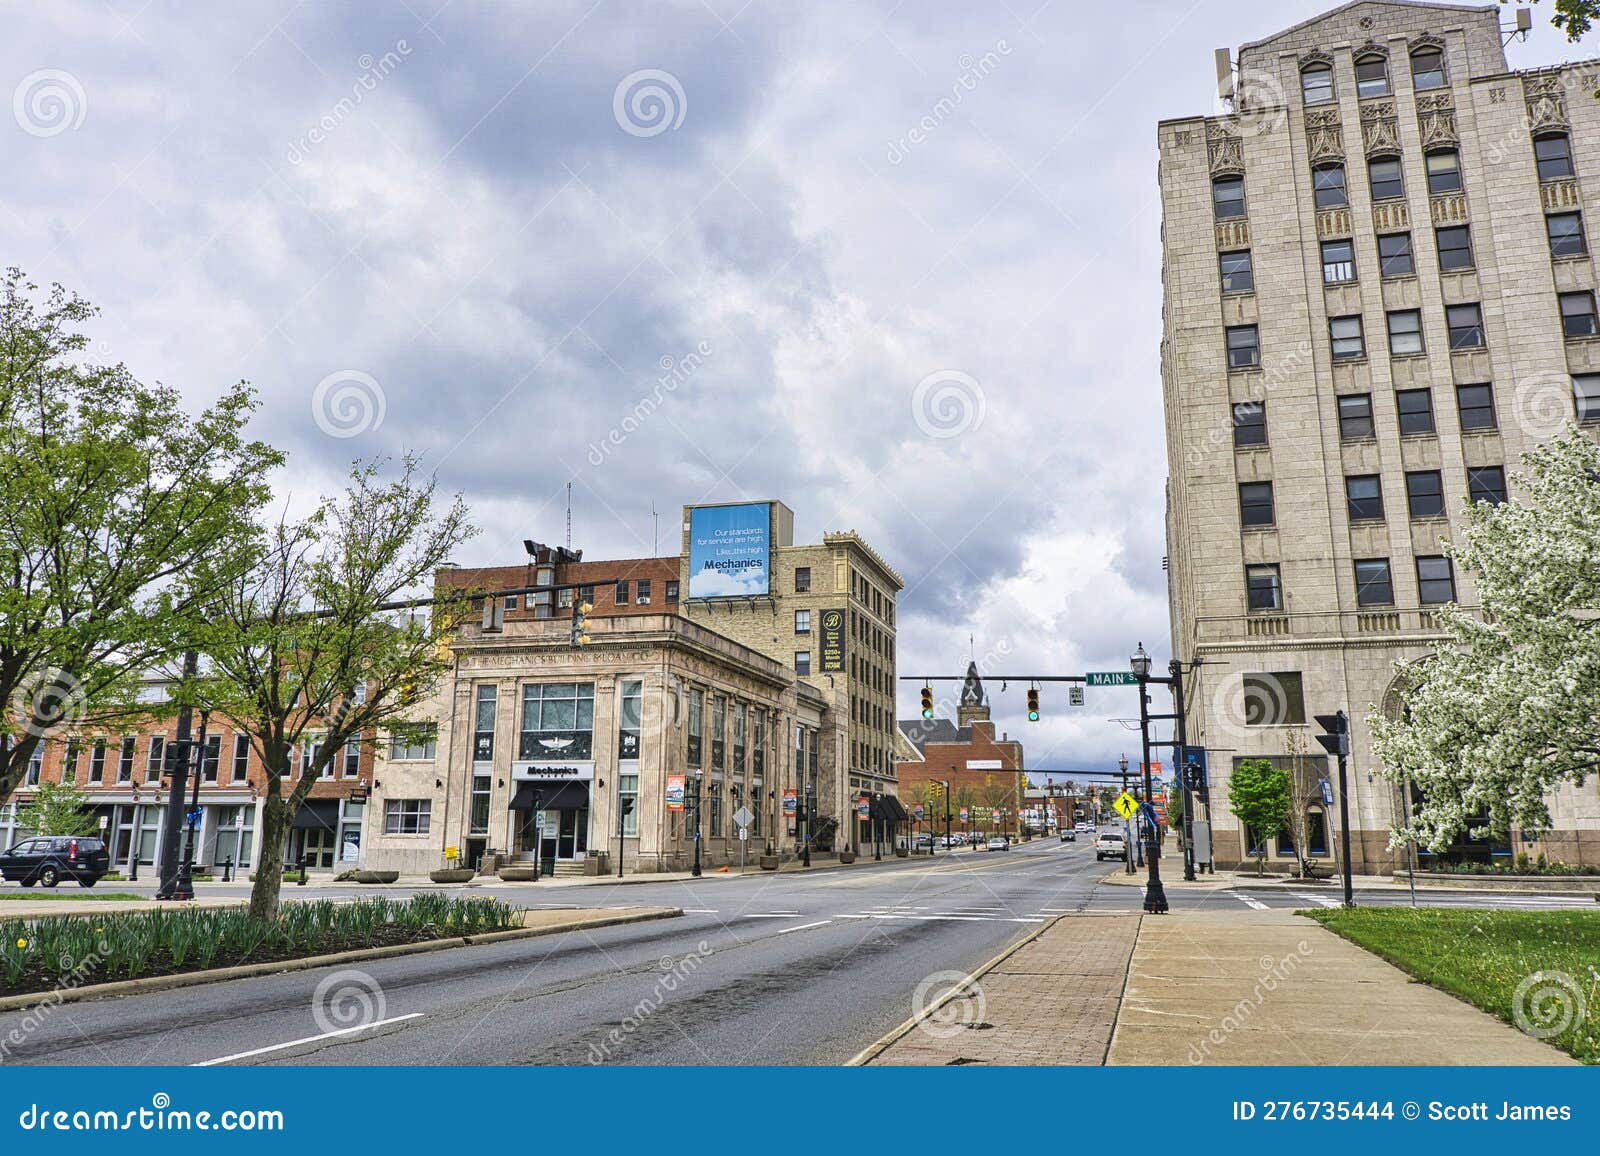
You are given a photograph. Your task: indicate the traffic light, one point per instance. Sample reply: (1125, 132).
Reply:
(1335, 738)
(1033, 704)
(580, 621)
(927, 702)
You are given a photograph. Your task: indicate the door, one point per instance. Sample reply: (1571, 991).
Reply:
(319, 848)
(567, 837)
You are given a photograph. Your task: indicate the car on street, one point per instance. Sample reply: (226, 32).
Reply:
(48, 859)
(1110, 845)
(1085, 828)
(1068, 835)
(999, 843)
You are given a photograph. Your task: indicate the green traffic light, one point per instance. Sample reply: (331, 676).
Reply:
(1033, 716)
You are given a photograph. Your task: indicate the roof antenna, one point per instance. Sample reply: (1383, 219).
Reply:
(655, 541)
(569, 515)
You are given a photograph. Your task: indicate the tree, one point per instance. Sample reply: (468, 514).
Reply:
(58, 809)
(308, 645)
(110, 498)
(1303, 781)
(1258, 793)
(1504, 711)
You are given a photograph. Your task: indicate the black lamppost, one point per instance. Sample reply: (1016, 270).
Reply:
(1155, 897)
(874, 809)
(695, 870)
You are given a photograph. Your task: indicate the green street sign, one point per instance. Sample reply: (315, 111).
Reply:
(1110, 678)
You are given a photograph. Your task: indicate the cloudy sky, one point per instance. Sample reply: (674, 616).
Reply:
(896, 264)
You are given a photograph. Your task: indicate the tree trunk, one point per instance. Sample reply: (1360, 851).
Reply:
(266, 891)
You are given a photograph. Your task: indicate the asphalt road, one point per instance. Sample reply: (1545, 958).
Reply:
(769, 969)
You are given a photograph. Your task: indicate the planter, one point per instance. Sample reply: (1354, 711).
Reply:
(452, 875)
(509, 874)
(902, 853)
(769, 862)
(847, 856)
(376, 876)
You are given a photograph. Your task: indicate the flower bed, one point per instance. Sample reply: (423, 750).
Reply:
(43, 954)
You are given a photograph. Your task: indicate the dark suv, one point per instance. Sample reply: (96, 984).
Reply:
(48, 859)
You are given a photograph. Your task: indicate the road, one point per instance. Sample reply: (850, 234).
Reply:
(770, 969)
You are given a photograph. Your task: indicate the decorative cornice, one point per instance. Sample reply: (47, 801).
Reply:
(1380, 132)
(1425, 41)
(1315, 56)
(1547, 103)
(1324, 136)
(1437, 121)
(1371, 48)
(1224, 151)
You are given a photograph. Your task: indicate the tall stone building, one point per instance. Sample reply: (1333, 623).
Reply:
(1378, 294)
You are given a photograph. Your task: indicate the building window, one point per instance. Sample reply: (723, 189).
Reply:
(1237, 276)
(1586, 396)
(719, 734)
(1345, 334)
(1565, 231)
(352, 759)
(1372, 76)
(485, 711)
(35, 764)
(1577, 314)
(153, 758)
(1425, 493)
(1388, 183)
(125, 760)
(642, 595)
(1374, 583)
(1276, 699)
(1455, 247)
(69, 761)
(1227, 197)
(1435, 583)
(622, 594)
(1244, 347)
(1338, 262)
(631, 723)
(802, 662)
(415, 742)
(1415, 407)
(239, 768)
(672, 592)
(1444, 171)
(697, 700)
(407, 816)
(1263, 588)
(1487, 484)
(564, 599)
(1427, 69)
(1465, 323)
(478, 813)
(211, 759)
(1364, 498)
(802, 579)
(1250, 423)
(1552, 152)
(1355, 416)
(1405, 332)
(1316, 83)
(1475, 403)
(628, 793)
(97, 761)
(1255, 504)
(557, 720)
(1394, 255)
(802, 622)
(1327, 184)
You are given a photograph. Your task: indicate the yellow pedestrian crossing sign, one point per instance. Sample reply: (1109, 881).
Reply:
(1125, 805)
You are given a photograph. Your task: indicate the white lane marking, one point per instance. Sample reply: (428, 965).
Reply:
(771, 914)
(700, 910)
(1250, 902)
(307, 1040)
(803, 926)
(1321, 899)
(971, 918)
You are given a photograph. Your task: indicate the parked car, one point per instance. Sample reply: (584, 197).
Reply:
(999, 843)
(1110, 845)
(924, 840)
(48, 859)
(1068, 835)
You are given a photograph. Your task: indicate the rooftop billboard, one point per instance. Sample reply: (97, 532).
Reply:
(730, 550)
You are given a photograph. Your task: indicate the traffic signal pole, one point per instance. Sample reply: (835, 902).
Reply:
(1335, 739)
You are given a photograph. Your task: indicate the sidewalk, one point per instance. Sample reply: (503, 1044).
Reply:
(1201, 987)
(1246, 880)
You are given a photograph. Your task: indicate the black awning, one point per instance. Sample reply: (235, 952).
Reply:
(552, 796)
(317, 815)
(887, 809)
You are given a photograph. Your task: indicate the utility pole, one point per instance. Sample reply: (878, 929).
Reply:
(1155, 896)
(175, 883)
(1181, 734)
(1335, 739)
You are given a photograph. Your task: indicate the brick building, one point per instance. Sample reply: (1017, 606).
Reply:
(985, 772)
(1378, 293)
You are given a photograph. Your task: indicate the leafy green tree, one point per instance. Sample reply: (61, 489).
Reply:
(111, 497)
(58, 809)
(1258, 793)
(307, 644)
(1504, 711)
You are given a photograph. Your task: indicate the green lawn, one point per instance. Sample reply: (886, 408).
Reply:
(1538, 969)
(32, 894)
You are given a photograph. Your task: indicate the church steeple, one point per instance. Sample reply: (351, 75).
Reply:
(974, 705)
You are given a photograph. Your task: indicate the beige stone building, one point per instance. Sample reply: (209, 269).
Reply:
(1379, 291)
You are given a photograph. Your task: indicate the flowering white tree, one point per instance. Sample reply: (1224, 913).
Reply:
(1509, 708)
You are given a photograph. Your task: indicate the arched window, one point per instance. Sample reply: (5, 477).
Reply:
(1227, 197)
(1327, 183)
(1372, 76)
(1427, 69)
(1444, 171)
(1316, 83)
(1553, 152)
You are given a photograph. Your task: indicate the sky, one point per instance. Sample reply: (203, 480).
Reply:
(897, 265)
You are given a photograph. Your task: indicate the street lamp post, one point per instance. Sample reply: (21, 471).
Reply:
(695, 870)
(1155, 896)
(1127, 831)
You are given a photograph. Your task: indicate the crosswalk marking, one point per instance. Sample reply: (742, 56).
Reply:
(803, 926)
(1323, 900)
(1249, 901)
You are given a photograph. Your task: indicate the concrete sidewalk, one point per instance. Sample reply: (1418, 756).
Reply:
(1244, 987)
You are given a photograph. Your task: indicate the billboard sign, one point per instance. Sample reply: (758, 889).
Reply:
(833, 640)
(729, 550)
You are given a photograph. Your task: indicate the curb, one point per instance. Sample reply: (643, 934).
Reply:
(155, 983)
(873, 1050)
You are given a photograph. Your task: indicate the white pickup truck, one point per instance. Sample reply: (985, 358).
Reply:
(1110, 845)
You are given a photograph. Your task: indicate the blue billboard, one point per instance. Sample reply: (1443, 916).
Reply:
(729, 550)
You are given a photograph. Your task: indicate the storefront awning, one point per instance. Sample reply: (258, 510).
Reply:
(887, 809)
(552, 796)
(317, 815)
